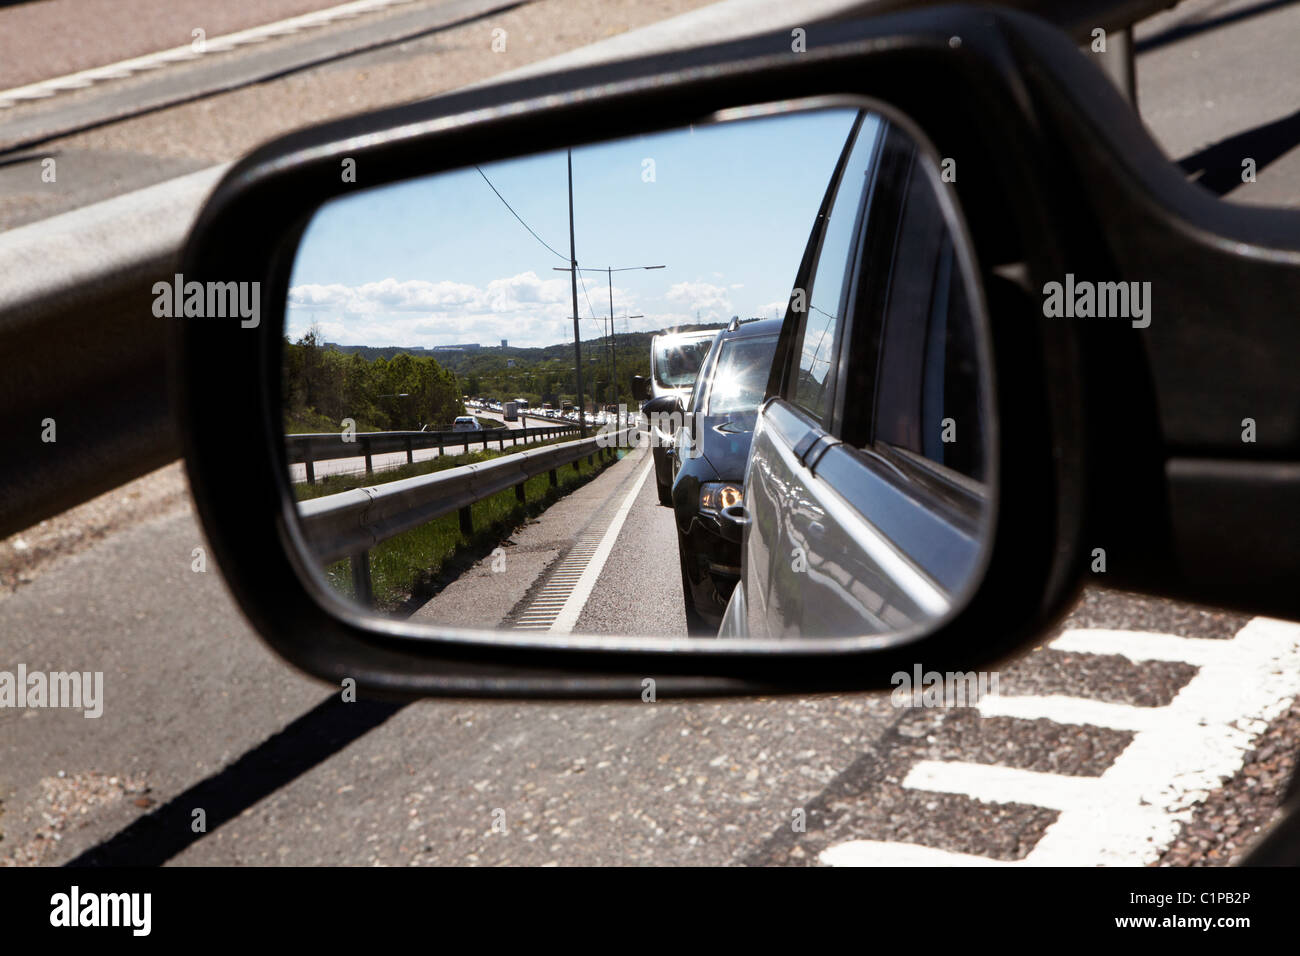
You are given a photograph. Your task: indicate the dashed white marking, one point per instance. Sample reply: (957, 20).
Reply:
(880, 853)
(1139, 646)
(1071, 710)
(995, 784)
(229, 41)
(1130, 814)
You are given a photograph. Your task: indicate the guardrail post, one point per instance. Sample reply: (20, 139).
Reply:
(519, 493)
(441, 440)
(361, 578)
(365, 448)
(555, 478)
(311, 471)
(466, 521)
(410, 452)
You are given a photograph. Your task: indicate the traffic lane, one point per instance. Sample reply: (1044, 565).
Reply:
(639, 591)
(187, 687)
(1194, 94)
(39, 41)
(612, 783)
(159, 145)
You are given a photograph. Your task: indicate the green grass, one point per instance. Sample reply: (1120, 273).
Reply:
(408, 567)
(309, 421)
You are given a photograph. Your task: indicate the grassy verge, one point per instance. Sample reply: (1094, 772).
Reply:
(410, 568)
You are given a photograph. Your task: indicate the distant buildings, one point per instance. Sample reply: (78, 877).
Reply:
(468, 347)
(504, 343)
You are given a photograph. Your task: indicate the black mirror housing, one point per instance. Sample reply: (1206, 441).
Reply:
(1074, 397)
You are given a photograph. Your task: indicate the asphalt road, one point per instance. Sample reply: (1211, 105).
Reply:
(199, 714)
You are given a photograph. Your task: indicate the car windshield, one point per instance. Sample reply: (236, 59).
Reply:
(677, 362)
(740, 379)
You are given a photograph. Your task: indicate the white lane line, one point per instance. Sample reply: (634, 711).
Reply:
(994, 784)
(1130, 814)
(1071, 710)
(152, 61)
(1140, 646)
(568, 616)
(880, 853)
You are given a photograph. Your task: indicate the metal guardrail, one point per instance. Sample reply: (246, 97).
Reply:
(331, 446)
(350, 523)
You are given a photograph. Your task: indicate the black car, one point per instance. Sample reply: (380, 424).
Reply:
(708, 462)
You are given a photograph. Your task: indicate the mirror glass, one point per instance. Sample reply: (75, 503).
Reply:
(757, 409)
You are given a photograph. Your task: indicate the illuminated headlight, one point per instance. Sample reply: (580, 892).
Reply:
(716, 495)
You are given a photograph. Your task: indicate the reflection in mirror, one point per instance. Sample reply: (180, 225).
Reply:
(757, 408)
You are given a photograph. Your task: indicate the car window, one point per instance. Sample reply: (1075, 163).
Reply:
(822, 326)
(739, 379)
(676, 363)
(927, 383)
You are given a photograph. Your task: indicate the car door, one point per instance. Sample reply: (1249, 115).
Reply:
(869, 476)
(776, 542)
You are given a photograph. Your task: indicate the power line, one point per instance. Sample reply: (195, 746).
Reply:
(520, 218)
(588, 298)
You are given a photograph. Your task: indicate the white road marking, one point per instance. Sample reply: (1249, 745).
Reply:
(1071, 710)
(1139, 646)
(880, 853)
(577, 600)
(1130, 814)
(229, 41)
(994, 784)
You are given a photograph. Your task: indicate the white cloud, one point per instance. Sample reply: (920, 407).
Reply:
(525, 308)
(712, 302)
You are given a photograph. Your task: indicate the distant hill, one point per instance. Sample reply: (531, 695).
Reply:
(543, 374)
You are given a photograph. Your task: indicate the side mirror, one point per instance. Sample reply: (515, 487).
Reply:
(663, 405)
(732, 521)
(958, 523)
(641, 388)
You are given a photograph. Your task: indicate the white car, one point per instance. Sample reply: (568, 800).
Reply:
(466, 423)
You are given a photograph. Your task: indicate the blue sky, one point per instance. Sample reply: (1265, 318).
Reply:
(440, 260)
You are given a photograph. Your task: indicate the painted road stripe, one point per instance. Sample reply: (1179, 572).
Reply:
(1071, 710)
(994, 784)
(880, 853)
(1140, 646)
(1130, 814)
(152, 61)
(568, 616)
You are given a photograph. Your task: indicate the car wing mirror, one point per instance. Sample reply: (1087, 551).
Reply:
(1062, 409)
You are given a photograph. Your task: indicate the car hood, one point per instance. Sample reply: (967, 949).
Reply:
(724, 442)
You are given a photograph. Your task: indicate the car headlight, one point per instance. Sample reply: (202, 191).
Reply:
(716, 495)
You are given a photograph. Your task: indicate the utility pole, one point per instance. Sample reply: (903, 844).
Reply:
(573, 281)
(609, 272)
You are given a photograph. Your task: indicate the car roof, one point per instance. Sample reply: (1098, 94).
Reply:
(746, 329)
(686, 336)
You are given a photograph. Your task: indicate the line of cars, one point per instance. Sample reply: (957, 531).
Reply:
(828, 471)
